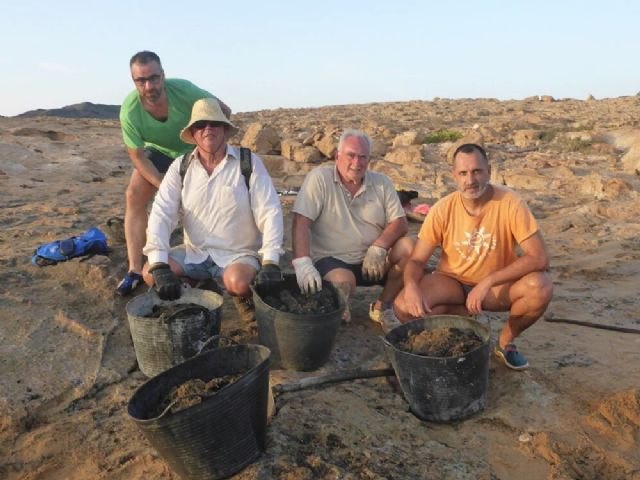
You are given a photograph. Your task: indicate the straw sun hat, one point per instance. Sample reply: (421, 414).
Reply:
(207, 109)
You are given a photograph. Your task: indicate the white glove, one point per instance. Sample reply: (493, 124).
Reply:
(374, 263)
(309, 279)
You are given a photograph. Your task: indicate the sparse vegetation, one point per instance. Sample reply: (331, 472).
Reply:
(548, 135)
(441, 136)
(576, 145)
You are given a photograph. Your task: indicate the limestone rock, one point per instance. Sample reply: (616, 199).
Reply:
(274, 164)
(631, 159)
(405, 155)
(327, 145)
(527, 137)
(627, 141)
(379, 148)
(411, 137)
(473, 136)
(306, 154)
(288, 146)
(261, 139)
(601, 188)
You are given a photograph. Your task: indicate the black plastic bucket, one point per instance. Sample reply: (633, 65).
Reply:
(220, 436)
(161, 344)
(441, 389)
(297, 341)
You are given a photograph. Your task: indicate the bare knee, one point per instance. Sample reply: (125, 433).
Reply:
(237, 287)
(238, 281)
(401, 251)
(342, 276)
(539, 288)
(139, 192)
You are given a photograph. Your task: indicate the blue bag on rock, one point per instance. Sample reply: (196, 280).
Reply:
(91, 242)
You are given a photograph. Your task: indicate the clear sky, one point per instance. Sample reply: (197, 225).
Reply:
(268, 54)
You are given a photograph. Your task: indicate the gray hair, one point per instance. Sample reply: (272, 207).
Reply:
(352, 132)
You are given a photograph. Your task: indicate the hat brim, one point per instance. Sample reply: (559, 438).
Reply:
(187, 136)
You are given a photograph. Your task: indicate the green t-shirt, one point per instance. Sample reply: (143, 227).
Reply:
(139, 129)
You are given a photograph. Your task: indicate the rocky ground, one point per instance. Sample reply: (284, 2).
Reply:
(69, 367)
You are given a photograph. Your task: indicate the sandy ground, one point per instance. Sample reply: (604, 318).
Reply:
(69, 367)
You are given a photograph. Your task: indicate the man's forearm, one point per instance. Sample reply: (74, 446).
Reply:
(515, 271)
(301, 237)
(413, 272)
(392, 233)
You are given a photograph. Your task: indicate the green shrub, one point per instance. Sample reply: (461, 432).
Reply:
(441, 136)
(548, 135)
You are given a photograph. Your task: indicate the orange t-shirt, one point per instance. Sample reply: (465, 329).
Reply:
(474, 247)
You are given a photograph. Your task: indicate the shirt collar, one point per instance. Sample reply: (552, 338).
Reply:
(366, 181)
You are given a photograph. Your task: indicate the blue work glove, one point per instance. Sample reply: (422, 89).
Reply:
(167, 283)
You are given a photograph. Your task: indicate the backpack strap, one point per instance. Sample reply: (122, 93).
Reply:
(185, 161)
(245, 164)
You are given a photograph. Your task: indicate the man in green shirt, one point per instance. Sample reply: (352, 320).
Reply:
(151, 118)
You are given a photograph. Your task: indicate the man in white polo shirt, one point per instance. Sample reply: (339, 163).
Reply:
(349, 228)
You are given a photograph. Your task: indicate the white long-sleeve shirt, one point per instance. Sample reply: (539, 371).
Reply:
(219, 219)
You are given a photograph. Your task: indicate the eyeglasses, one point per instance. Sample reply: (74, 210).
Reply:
(151, 79)
(200, 124)
(354, 156)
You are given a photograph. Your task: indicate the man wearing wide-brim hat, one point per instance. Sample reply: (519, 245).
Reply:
(229, 229)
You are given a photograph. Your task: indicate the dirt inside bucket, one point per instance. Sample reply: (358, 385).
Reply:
(193, 392)
(177, 310)
(293, 301)
(441, 342)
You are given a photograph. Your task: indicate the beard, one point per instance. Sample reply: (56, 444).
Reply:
(153, 95)
(475, 195)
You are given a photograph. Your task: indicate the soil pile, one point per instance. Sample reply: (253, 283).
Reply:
(193, 392)
(182, 311)
(441, 342)
(293, 301)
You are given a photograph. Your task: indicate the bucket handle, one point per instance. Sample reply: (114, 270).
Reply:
(171, 405)
(207, 345)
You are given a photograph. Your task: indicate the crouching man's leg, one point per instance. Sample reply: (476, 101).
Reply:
(439, 294)
(396, 260)
(345, 282)
(526, 300)
(237, 278)
(381, 310)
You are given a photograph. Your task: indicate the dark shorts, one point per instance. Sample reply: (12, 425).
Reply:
(159, 159)
(466, 289)
(326, 264)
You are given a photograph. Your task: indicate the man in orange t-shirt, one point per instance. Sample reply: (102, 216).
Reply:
(478, 229)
